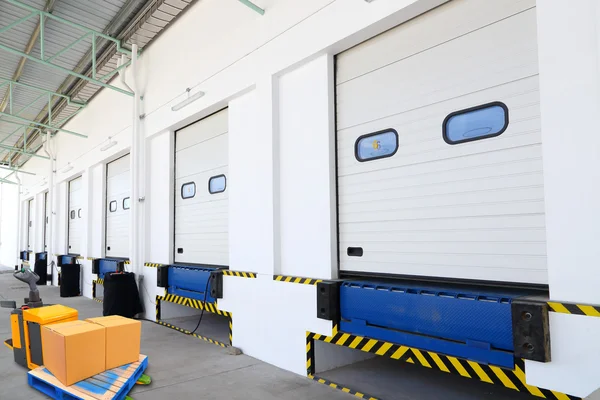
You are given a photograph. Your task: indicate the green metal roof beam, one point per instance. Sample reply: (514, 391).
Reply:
(251, 5)
(67, 118)
(69, 47)
(30, 122)
(2, 180)
(17, 170)
(21, 126)
(46, 61)
(17, 22)
(120, 49)
(116, 70)
(65, 70)
(18, 113)
(18, 150)
(43, 91)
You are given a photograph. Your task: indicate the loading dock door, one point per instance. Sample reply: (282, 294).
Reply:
(439, 147)
(201, 192)
(75, 215)
(118, 204)
(29, 224)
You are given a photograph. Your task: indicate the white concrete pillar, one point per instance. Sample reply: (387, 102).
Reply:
(253, 236)
(568, 36)
(308, 204)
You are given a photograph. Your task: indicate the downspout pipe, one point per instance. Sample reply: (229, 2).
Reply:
(50, 153)
(120, 62)
(19, 205)
(141, 182)
(134, 237)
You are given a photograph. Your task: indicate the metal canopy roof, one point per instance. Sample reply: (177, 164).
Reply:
(55, 55)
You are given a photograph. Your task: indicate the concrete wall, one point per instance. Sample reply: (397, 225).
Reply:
(307, 138)
(275, 73)
(569, 38)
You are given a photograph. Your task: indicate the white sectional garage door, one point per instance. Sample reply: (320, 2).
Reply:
(75, 215)
(201, 192)
(439, 147)
(118, 204)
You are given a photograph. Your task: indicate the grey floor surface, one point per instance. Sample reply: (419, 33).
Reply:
(182, 367)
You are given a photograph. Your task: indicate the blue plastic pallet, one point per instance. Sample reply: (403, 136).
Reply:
(113, 384)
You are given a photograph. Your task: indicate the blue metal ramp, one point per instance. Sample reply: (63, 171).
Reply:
(472, 323)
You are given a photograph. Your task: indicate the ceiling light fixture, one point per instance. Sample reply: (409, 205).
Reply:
(67, 168)
(187, 101)
(108, 145)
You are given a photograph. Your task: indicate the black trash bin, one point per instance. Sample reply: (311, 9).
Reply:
(70, 276)
(121, 295)
(41, 268)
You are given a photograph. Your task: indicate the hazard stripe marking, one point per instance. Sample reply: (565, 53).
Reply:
(480, 373)
(296, 279)
(589, 311)
(334, 385)
(400, 352)
(576, 309)
(438, 361)
(193, 303)
(185, 331)
(239, 274)
(510, 378)
(383, 349)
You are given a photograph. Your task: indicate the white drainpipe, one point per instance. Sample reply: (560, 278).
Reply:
(50, 153)
(18, 218)
(134, 237)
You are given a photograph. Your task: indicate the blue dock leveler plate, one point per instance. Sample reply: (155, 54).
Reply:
(113, 384)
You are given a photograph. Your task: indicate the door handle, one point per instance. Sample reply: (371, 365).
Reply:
(355, 252)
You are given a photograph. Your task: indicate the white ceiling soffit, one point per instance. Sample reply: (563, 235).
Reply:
(130, 21)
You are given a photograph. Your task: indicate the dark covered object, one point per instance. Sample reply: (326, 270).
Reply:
(70, 278)
(121, 295)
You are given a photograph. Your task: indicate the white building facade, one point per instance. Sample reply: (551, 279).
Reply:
(290, 189)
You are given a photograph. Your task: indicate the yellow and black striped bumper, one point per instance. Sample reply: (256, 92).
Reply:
(95, 282)
(296, 279)
(196, 304)
(185, 331)
(239, 274)
(192, 303)
(513, 379)
(576, 309)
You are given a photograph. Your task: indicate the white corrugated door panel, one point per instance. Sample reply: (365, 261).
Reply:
(29, 224)
(202, 220)
(118, 204)
(471, 210)
(75, 215)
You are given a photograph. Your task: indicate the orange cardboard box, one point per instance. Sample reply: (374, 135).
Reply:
(123, 336)
(71, 351)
